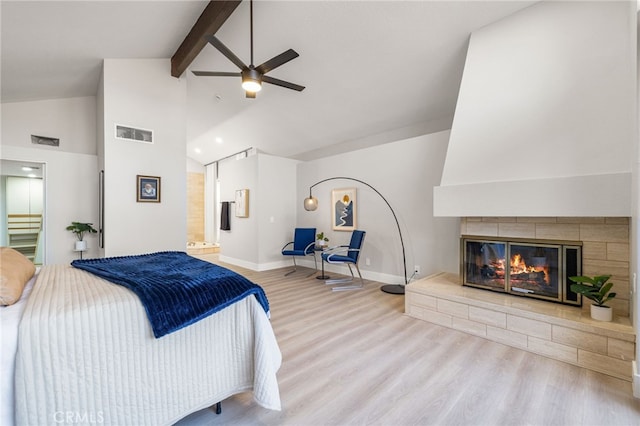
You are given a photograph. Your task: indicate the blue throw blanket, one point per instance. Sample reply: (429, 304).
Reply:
(175, 288)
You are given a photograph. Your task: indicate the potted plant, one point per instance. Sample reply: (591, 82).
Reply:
(321, 240)
(80, 228)
(598, 290)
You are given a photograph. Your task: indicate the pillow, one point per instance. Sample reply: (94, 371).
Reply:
(15, 271)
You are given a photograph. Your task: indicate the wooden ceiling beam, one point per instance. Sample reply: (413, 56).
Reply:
(209, 22)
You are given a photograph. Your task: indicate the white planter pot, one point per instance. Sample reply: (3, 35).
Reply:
(81, 245)
(601, 313)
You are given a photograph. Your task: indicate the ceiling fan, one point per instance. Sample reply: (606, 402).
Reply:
(252, 76)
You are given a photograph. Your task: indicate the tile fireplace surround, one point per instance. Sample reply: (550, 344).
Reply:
(565, 333)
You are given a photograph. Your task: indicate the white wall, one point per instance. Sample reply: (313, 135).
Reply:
(71, 194)
(255, 242)
(141, 93)
(71, 180)
(276, 208)
(72, 120)
(404, 172)
(239, 245)
(547, 97)
(194, 167)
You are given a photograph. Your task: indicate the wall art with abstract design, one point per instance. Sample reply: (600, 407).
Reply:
(343, 215)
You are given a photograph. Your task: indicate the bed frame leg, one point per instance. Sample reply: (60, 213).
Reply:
(219, 407)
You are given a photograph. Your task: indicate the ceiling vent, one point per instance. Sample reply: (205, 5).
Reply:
(44, 140)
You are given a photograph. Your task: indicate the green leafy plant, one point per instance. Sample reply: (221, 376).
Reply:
(321, 237)
(80, 229)
(594, 288)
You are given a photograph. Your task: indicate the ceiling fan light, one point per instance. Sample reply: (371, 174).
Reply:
(251, 85)
(251, 80)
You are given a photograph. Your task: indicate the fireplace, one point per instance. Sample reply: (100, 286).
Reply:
(531, 268)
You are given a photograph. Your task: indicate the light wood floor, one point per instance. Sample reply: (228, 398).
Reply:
(354, 358)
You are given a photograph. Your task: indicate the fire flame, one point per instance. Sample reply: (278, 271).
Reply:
(519, 266)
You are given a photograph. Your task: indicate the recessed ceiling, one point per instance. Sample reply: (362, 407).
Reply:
(370, 68)
(18, 168)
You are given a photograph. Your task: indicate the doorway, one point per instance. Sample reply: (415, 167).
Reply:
(201, 223)
(22, 208)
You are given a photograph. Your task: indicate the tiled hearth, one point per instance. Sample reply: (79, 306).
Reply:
(565, 333)
(560, 332)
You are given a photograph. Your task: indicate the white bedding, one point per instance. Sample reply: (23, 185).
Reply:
(86, 353)
(9, 321)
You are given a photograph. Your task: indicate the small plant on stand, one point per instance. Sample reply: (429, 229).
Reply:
(321, 240)
(598, 290)
(79, 229)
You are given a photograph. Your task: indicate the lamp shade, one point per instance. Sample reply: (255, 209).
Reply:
(251, 86)
(310, 203)
(251, 80)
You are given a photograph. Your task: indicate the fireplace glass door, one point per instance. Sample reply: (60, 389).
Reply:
(526, 268)
(534, 270)
(485, 264)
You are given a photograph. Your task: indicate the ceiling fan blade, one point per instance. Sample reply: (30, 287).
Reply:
(225, 51)
(276, 61)
(282, 83)
(216, 74)
(250, 95)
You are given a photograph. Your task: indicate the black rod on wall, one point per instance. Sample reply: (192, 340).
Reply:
(101, 210)
(311, 204)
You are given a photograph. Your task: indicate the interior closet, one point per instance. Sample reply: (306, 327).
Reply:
(23, 233)
(22, 208)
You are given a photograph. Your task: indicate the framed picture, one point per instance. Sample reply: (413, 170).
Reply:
(242, 203)
(133, 134)
(343, 210)
(148, 189)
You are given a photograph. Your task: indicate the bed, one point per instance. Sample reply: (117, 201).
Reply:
(9, 320)
(87, 353)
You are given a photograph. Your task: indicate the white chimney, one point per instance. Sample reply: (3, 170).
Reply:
(545, 119)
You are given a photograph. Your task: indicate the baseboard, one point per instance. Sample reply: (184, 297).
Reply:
(275, 265)
(260, 267)
(635, 379)
(344, 270)
(239, 262)
(308, 263)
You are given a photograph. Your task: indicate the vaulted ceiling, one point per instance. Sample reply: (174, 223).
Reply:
(374, 71)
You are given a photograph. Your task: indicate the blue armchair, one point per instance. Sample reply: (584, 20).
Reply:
(348, 255)
(303, 244)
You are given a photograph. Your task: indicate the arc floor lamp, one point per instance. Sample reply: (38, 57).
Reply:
(311, 203)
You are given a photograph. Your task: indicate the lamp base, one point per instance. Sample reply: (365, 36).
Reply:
(393, 289)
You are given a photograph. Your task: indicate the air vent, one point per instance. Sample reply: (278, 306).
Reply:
(44, 140)
(134, 134)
